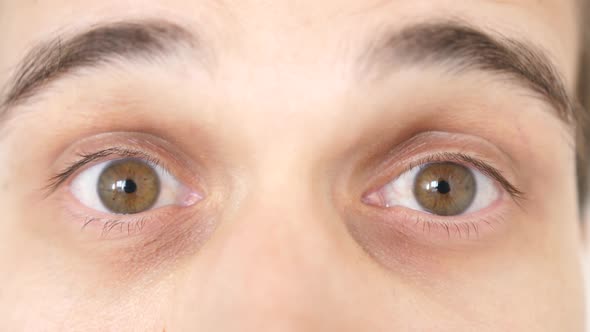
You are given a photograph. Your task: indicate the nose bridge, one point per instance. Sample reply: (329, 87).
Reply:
(281, 231)
(266, 263)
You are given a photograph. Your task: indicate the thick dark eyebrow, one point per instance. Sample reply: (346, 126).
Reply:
(449, 43)
(462, 47)
(93, 47)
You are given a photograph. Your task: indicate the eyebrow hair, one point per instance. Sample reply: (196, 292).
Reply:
(99, 45)
(450, 42)
(463, 47)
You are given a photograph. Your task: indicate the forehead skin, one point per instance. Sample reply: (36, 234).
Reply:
(248, 25)
(285, 65)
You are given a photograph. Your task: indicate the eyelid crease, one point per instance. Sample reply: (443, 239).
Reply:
(482, 166)
(56, 181)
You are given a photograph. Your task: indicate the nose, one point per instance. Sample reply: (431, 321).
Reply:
(282, 261)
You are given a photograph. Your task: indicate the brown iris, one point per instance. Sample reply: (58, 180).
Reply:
(128, 186)
(445, 189)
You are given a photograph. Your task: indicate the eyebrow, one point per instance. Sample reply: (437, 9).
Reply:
(98, 45)
(462, 47)
(450, 43)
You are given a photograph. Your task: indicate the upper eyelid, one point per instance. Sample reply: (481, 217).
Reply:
(88, 158)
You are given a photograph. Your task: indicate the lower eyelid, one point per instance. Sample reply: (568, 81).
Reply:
(135, 244)
(112, 227)
(435, 230)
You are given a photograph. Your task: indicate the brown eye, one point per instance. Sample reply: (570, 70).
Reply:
(445, 189)
(128, 186)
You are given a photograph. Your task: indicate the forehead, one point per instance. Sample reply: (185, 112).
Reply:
(307, 25)
(311, 13)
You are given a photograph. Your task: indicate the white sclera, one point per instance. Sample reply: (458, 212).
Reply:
(400, 192)
(172, 192)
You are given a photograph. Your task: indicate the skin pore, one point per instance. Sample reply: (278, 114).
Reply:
(274, 127)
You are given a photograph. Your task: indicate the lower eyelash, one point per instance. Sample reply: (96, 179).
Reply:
(454, 227)
(109, 225)
(465, 230)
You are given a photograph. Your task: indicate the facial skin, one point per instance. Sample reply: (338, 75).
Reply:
(278, 121)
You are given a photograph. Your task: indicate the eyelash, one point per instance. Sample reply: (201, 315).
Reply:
(132, 226)
(137, 225)
(86, 159)
(467, 160)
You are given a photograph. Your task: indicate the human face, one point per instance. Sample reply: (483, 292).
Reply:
(258, 166)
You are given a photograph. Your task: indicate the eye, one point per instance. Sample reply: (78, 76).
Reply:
(444, 189)
(129, 186)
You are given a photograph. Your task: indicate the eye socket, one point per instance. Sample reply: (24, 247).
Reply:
(129, 186)
(443, 189)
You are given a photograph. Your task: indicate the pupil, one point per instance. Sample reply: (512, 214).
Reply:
(130, 186)
(443, 187)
